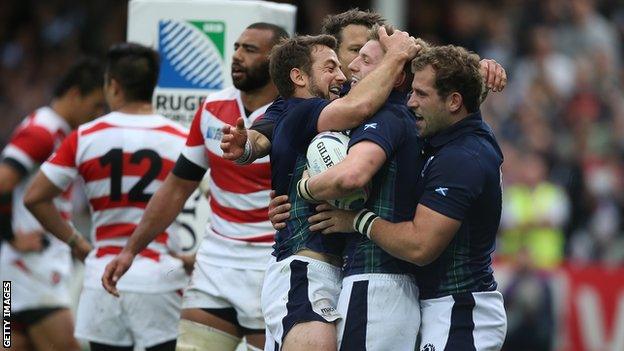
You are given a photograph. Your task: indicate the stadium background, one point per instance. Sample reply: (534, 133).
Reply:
(560, 120)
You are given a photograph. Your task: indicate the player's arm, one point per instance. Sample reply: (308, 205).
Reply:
(39, 200)
(28, 147)
(419, 241)
(359, 166)
(493, 74)
(246, 145)
(371, 92)
(54, 176)
(10, 176)
(453, 181)
(161, 211)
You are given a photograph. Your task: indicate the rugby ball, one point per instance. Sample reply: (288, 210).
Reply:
(326, 150)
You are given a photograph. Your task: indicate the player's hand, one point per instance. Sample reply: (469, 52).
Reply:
(493, 74)
(115, 269)
(28, 242)
(399, 43)
(188, 261)
(233, 140)
(81, 249)
(279, 210)
(330, 220)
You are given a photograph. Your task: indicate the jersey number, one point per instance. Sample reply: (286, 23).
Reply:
(114, 158)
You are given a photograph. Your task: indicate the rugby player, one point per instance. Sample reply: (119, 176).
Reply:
(122, 157)
(302, 284)
(38, 264)
(221, 305)
(452, 234)
(381, 150)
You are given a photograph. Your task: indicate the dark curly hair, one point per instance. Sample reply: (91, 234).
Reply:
(456, 70)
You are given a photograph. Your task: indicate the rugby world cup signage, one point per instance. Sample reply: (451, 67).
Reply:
(195, 40)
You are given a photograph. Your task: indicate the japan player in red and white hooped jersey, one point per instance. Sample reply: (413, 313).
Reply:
(122, 158)
(222, 302)
(37, 264)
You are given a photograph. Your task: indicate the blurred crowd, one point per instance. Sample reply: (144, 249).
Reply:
(560, 120)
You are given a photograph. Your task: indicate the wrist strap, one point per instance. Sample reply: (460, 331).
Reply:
(363, 222)
(247, 153)
(304, 191)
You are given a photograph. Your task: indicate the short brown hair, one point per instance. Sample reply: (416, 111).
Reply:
(294, 53)
(334, 24)
(456, 70)
(373, 34)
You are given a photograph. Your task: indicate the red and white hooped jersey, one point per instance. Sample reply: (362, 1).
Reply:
(32, 142)
(122, 159)
(239, 233)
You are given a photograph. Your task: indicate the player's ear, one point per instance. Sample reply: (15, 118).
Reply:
(454, 102)
(400, 80)
(298, 77)
(73, 93)
(115, 86)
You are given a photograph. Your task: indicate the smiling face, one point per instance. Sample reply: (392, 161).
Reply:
(432, 114)
(250, 61)
(326, 78)
(367, 60)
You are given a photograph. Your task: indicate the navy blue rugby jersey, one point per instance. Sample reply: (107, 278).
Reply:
(294, 129)
(393, 192)
(461, 179)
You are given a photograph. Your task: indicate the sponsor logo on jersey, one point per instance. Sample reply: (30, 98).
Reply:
(214, 133)
(328, 311)
(191, 54)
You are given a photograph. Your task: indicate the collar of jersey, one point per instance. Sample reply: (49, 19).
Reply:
(473, 122)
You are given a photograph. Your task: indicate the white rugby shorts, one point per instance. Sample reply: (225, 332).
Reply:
(380, 312)
(298, 289)
(463, 322)
(133, 318)
(216, 287)
(38, 279)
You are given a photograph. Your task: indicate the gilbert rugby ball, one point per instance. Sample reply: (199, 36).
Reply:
(326, 150)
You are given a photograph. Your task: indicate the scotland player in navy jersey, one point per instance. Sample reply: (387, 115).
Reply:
(453, 231)
(302, 284)
(382, 149)
(350, 29)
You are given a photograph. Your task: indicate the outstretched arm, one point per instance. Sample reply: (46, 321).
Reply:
(243, 145)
